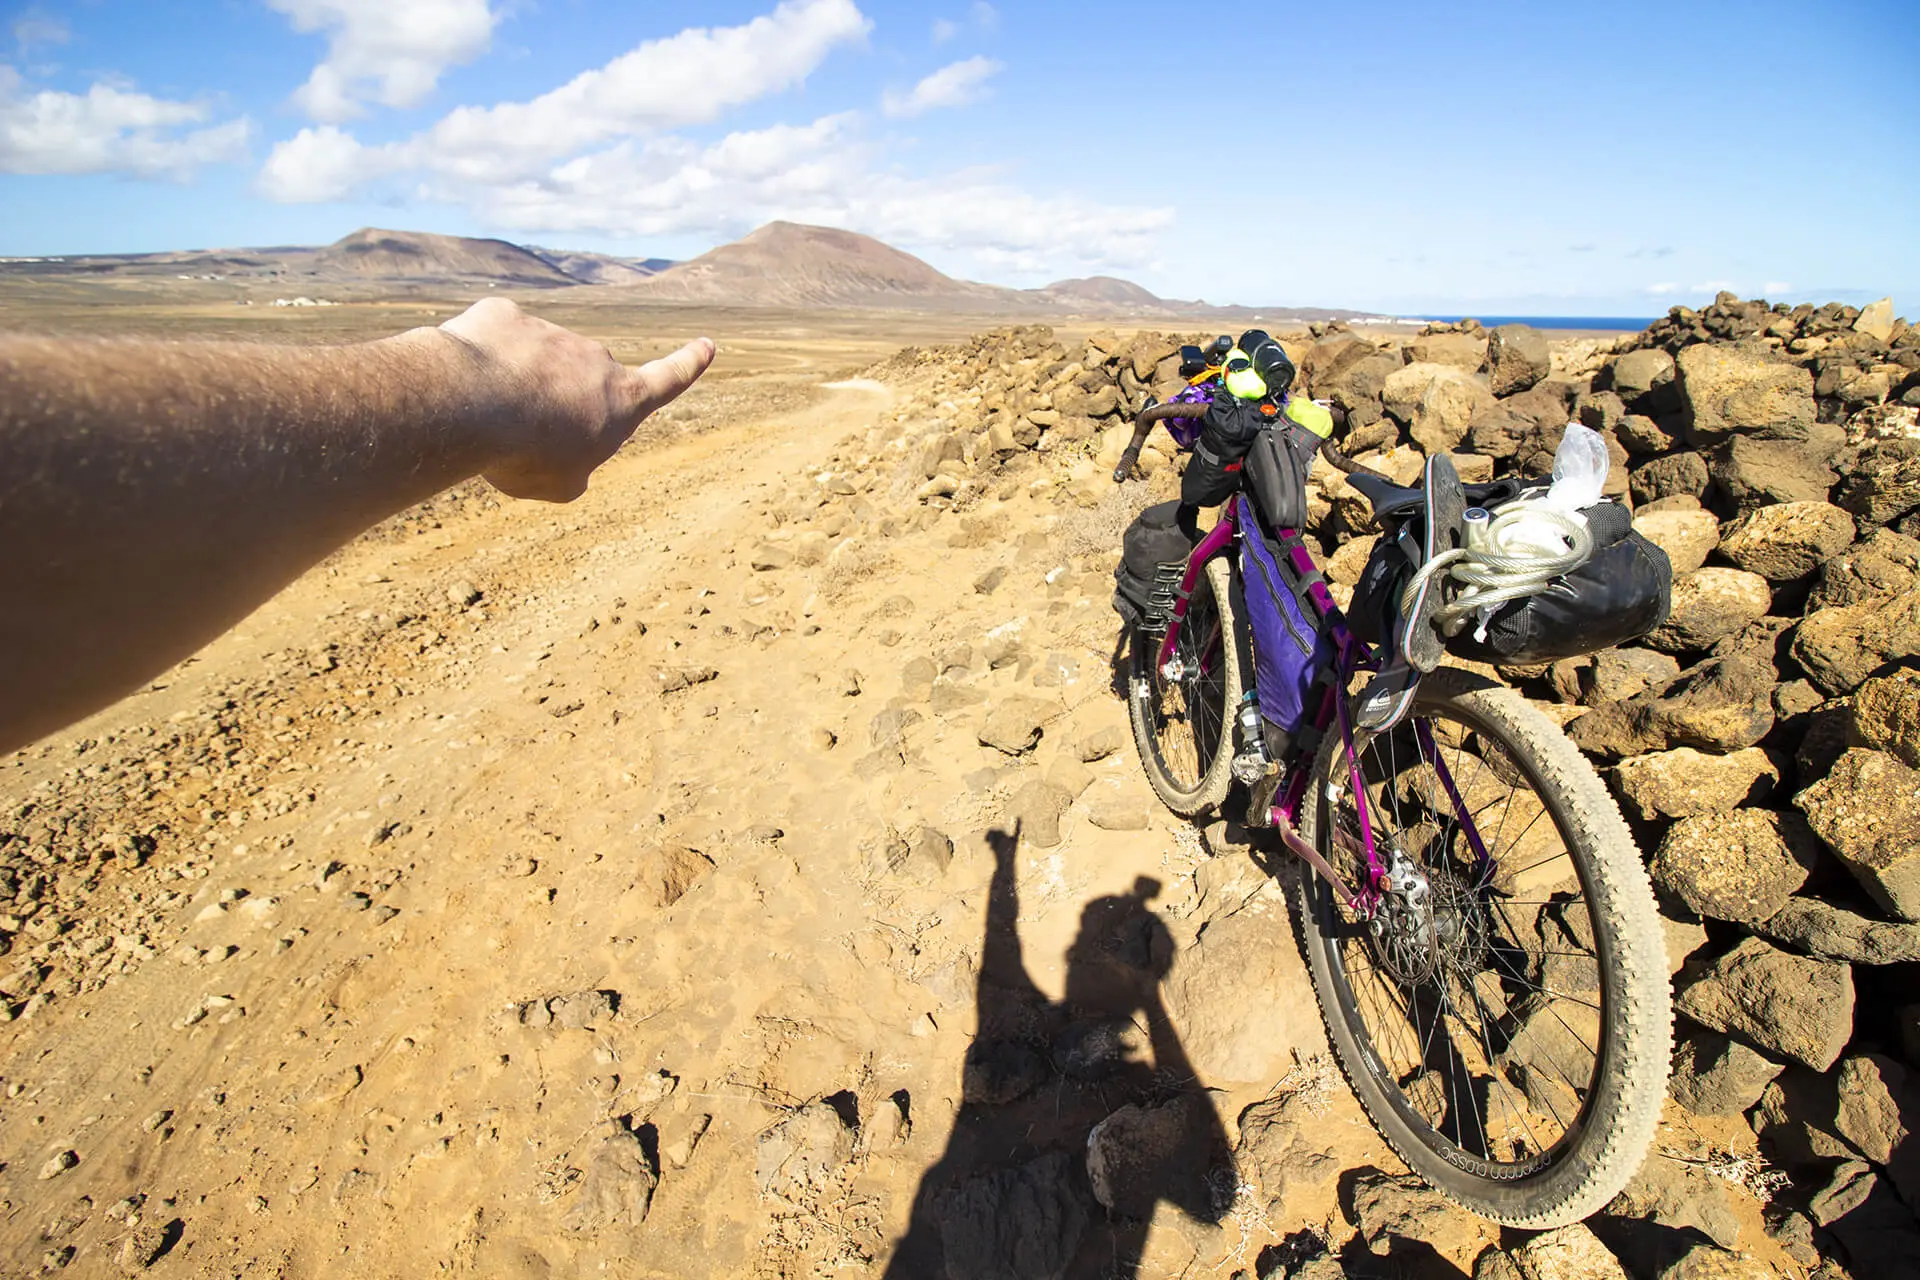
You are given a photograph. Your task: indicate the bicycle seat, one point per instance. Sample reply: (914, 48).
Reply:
(1390, 499)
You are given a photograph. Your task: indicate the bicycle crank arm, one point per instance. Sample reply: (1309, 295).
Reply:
(1301, 849)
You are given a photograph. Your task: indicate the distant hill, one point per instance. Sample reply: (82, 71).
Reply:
(784, 264)
(371, 253)
(1102, 291)
(600, 268)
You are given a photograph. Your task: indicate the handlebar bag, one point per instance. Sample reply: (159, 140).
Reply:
(1290, 648)
(1226, 433)
(1153, 558)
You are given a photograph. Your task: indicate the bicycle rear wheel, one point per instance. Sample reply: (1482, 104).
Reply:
(1511, 1038)
(1184, 726)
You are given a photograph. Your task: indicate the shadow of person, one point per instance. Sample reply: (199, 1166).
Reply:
(1077, 1118)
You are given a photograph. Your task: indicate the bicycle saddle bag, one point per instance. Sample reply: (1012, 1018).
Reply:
(1621, 593)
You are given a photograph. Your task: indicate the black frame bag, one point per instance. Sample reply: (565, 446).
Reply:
(1276, 469)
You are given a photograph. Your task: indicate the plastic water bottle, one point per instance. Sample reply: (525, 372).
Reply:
(1252, 761)
(1252, 736)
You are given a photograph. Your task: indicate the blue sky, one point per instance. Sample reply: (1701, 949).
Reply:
(1491, 157)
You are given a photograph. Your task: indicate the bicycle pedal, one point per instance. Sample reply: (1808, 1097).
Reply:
(1249, 767)
(1260, 798)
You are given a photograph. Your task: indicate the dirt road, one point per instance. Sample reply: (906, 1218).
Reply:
(596, 889)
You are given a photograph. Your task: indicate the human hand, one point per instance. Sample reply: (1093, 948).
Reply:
(564, 404)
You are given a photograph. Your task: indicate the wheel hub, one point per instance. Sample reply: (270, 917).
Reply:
(1429, 923)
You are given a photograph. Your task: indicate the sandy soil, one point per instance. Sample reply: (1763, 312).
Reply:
(520, 858)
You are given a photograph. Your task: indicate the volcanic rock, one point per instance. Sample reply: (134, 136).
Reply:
(1023, 1221)
(1725, 389)
(1674, 475)
(1793, 1006)
(1868, 811)
(1714, 1075)
(1882, 564)
(1788, 540)
(1822, 929)
(1684, 782)
(1738, 864)
(1435, 402)
(1710, 604)
(1883, 483)
(1841, 647)
(1644, 379)
(1466, 352)
(1885, 715)
(1517, 358)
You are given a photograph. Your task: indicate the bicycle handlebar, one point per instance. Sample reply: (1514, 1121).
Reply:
(1143, 424)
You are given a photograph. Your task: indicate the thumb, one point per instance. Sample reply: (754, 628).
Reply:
(658, 382)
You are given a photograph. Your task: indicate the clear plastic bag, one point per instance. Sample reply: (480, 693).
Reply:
(1579, 469)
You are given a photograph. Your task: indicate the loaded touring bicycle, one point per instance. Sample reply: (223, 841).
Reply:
(1479, 925)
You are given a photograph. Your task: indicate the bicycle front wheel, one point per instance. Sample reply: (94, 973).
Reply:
(1506, 1023)
(1183, 724)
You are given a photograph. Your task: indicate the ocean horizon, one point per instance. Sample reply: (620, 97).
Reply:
(1624, 324)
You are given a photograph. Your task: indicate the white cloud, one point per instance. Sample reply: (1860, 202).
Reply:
(109, 130)
(954, 85)
(1773, 288)
(823, 172)
(34, 29)
(389, 51)
(1663, 288)
(684, 79)
(320, 164)
(1713, 286)
(982, 15)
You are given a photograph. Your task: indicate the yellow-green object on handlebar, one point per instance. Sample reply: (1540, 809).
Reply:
(1314, 417)
(1243, 380)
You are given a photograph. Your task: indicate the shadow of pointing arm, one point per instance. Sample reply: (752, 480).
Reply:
(1002, 963)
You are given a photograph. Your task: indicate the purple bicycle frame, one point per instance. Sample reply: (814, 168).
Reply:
(1351, 655)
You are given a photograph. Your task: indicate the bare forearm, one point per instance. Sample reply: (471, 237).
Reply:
(151, 494)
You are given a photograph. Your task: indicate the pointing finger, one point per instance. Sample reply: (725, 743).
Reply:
(658, 382)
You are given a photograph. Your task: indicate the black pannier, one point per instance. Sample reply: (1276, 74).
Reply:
(1153, 559)
(1622, 592)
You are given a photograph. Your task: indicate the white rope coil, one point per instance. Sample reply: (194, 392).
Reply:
(1508, 562)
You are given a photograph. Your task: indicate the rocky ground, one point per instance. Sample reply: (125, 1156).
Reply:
(744, 871)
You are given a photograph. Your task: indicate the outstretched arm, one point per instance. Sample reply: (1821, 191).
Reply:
(154, 493)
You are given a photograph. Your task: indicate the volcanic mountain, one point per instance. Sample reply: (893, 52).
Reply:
(784, 264)
(1106, 292)
(373, 254)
